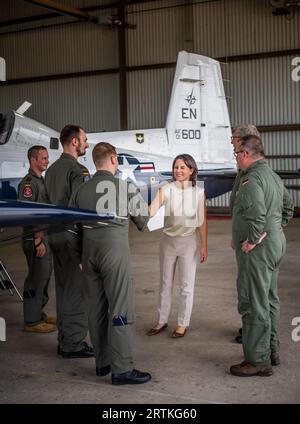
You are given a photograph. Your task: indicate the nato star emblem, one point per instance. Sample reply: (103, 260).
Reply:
(126, 170)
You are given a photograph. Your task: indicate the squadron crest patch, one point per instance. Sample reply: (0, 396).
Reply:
(27, 191)
(139, 137)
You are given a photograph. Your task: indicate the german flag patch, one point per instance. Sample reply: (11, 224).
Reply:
(27, 191)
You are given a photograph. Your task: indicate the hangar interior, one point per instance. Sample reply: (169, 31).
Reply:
(118, 75)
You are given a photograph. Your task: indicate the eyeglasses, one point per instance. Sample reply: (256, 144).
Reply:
(240, 151)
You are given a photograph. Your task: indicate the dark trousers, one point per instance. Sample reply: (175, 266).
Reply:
(36, 283)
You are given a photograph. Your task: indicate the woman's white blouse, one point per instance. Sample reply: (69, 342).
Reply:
(184, 209)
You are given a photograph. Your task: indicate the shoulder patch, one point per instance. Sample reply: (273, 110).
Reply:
(85, 173)
(245, 182)
(86, 176)
(27, 190)
(84, 170)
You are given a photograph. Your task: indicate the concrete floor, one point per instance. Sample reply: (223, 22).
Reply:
(194, 369)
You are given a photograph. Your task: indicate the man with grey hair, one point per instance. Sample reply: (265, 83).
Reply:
(244, 130)
(237, 134)
(261, 209)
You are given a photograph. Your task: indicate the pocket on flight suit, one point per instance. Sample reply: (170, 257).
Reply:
(243, 284)
(273, 250)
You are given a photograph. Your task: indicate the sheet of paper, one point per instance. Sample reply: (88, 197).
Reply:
(157, 221)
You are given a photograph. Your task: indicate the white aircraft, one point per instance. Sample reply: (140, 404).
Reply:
(197, 124)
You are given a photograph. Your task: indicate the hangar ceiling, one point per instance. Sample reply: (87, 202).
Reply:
(110, 21)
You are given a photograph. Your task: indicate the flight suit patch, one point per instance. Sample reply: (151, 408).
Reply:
(245, 182)
(27, 191)
(85, 174)
(120, 320)
(29, 294)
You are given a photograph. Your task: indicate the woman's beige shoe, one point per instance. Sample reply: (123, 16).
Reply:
(176, 334)
(155, 331)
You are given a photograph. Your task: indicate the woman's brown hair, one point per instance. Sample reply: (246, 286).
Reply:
(190, 163)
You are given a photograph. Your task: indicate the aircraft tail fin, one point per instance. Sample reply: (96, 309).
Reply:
(23, 108)
(198, 120)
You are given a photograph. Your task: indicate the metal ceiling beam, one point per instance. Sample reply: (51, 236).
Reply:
(27, 19)
(26, 80)
(64, 10)
(80, 14)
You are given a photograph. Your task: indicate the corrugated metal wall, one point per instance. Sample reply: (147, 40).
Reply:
(148, 97)
(91, 101)
(61, 49)
(269, 95)
(260, 91)
(73, 100)
(234, 27)
(159, 34)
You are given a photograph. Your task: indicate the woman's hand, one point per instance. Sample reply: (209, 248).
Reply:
(157, 202)
(203, 254)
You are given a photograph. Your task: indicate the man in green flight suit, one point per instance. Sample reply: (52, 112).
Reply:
(36, 249)
(261, 209)
(106, 266)
(63, 177)
(237, 133)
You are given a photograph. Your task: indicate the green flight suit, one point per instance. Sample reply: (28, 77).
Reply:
(63, 177)
(234, 191)
(106, 266)
(35, 292)
(262, 204)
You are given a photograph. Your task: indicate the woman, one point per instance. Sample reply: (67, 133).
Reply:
(185, 212)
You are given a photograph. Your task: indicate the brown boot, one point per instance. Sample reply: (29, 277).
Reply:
(42, 327)
(245, 369)
(50, 320)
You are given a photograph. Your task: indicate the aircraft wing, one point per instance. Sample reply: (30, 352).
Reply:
(15, 213)
(219, 181)
(215, 181)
